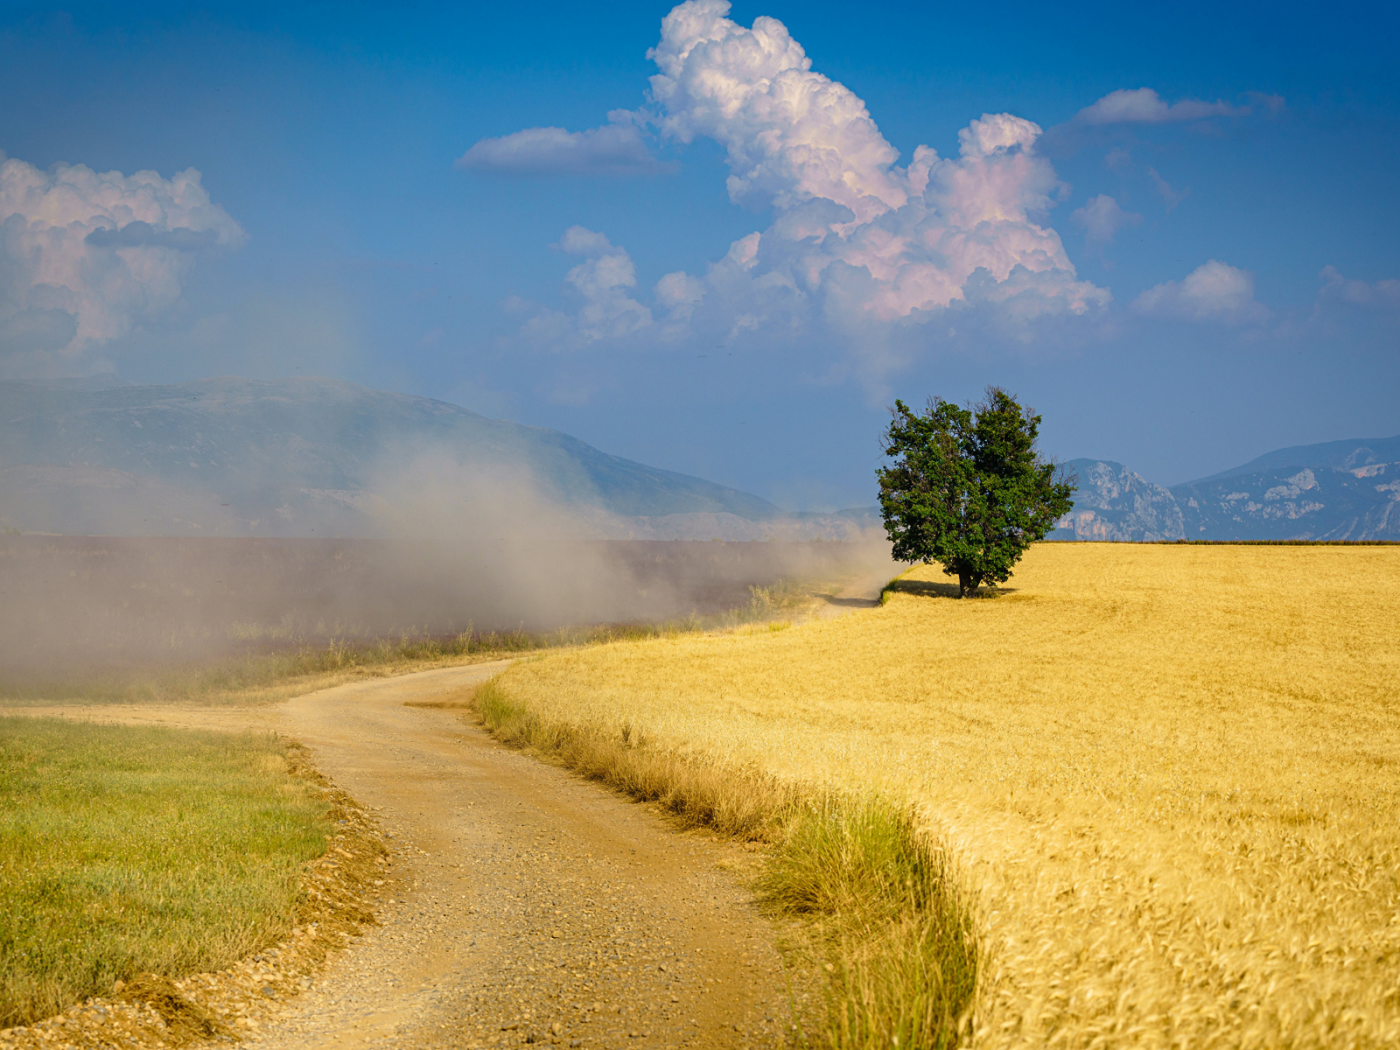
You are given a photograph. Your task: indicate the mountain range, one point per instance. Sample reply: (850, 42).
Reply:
(310, 456)
(321, 457)
(1338, 490)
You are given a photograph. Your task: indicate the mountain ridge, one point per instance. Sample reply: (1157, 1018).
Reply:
(1345, 454)
(1335, 490)
(278, 455)
(324, 457)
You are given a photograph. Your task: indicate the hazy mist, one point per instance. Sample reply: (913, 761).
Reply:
(459, 547)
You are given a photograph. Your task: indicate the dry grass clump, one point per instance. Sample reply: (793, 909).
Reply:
(890, 931)
(126, 850)
(744, 804)
(1170, 775)
(893, 932)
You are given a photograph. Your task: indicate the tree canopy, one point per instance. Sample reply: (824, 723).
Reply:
(968, 488)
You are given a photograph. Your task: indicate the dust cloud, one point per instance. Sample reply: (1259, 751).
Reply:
(457, 547)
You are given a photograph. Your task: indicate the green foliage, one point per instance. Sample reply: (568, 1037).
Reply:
(968, 488)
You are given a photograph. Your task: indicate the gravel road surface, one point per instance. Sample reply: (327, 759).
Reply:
(526, 905)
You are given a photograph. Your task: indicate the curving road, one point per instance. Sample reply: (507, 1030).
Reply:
(530, 906)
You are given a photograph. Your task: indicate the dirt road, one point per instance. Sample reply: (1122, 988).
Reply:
(530, 905)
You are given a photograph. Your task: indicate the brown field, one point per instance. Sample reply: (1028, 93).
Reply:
(1168, 776)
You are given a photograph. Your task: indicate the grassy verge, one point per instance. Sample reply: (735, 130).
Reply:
(889, 927)
(126, 850)
(886, 923)
(275, 675)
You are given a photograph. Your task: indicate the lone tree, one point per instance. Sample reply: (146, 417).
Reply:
(968, 488)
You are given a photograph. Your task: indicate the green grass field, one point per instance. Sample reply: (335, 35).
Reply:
(130, 849)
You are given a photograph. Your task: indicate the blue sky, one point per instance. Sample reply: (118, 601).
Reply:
(1172, 231)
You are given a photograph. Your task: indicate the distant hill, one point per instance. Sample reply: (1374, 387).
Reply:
(1338, 490)
(300, 456)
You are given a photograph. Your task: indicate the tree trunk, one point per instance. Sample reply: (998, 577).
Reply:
(967, 583)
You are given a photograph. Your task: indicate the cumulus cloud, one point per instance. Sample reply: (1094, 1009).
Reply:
(1145, 106)
(679, 289)
(1214, 291)
(856, 239)
(86, 257)
(790, 134)
(140, 234)
(613, 149)
(1102, 217)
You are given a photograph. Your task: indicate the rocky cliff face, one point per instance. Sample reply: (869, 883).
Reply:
(1307, 503)
(1114, 503)
(1341, 490)
(1354, 454)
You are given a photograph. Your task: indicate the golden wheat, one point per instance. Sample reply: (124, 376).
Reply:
(1170, 776)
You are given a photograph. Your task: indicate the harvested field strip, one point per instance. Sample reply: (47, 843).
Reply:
(887, 925)
(267, 677)
(126, 850)
(1167, 773)
(271, 676)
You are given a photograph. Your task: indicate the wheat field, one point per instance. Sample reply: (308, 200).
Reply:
(1169, 776)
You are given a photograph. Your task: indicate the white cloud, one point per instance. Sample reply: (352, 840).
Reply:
(852, 230)
(1145, 106)
(1214, 291)
(791, 134)
(678, 294)
(1273, 104)
(613, 149)
(679, 289)
(579, 240)
(601, 289)
(1384, 294)
(856, 239)
(88, 257)
(1102, 218)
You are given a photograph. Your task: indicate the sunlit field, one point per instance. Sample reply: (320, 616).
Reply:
(1169, 776)
(126, 849)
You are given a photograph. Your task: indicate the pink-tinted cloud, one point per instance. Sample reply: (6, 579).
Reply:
(86, 257)
(1214, 291)
(856, 239)
(1145, 106)
(1102, 217)
(613, 149)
